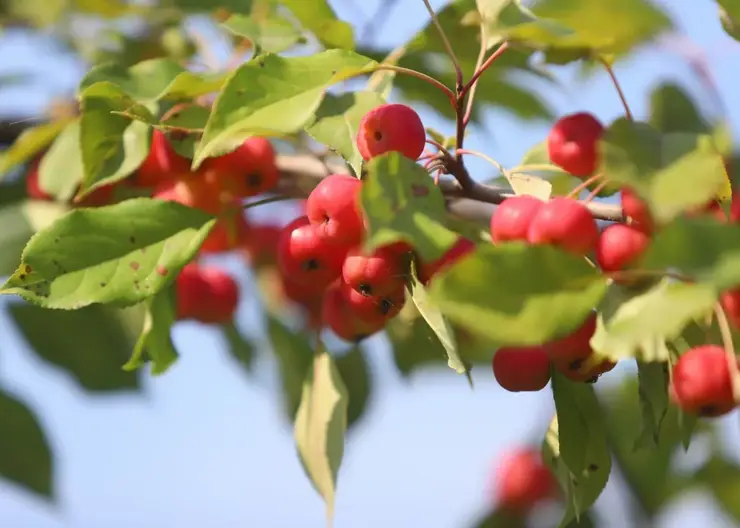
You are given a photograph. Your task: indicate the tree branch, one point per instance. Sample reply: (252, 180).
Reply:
(300, 173)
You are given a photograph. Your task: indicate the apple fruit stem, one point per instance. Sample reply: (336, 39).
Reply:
(726, 333)
(447, 45)
(269, 200)
(440, 147)
(483, 157)
(419, 75)
(615, 82)
(595, 192)
(583, 185)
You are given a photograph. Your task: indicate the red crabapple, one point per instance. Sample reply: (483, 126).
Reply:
(261, 244)
(564, 223)
(248, 170)
(391, 128)
(636, 209)
(33, 188)
(334, 207)
(620, 246)
(206, 294)
(229, 233)
(570, 354)
(523, 481)
(511, 219)
(573, 143)
(520, 369)
(701, 383)
(730, 301)
(374, 309)
(306, 258)
(193, 191)
(161, 164)
(337, 315)
(378, 273)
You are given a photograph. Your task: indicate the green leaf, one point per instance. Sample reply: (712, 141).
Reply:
(154, 79)
(672, 172)
(25, 455)
(155, 341)
(338, 120)
(90, 344)
(579, 27)
(653, 390)
(20, 221)
(576, 445)
(640, 324)
(673, 110)
(517, 294)
(120, 254)
(61, 170)
(722, 477)
(273, 35)
(729, 16)
(414, 343)
(31, 142)
(273, 95)
(319, 18)
(500, 518)
(715, 251)
(112, 145)
(355, 373)
(239, 347)
(294, 356)
(320, 426)
(401, 202)
(439, 325)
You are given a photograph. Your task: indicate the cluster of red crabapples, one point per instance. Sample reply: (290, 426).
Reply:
(701, 378)
(322, 253)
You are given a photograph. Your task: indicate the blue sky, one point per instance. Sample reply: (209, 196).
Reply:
(205, 444)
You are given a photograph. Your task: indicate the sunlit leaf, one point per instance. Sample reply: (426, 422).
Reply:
(155, 341)
(273, 35)
(319, 18)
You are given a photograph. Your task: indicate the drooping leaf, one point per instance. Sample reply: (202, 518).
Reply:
(155, 341)
(319, 18)
(20, 221)
(401, 202)
(439, 325)
(500, 518)
(90, 344)
(320, 426)
(714, 257)
(673, 110)
(273, 95)
(576, 445)
(338, 120)
(640, 325)
(518, 295)
(729, 17)
(31, 142)
(239, 347)
(112, 145)
(61, 170)
(355, 373)
(583, 487)
(672, 172)
(273, 35)
(25, 455)
(294, 355)
(653, 390)
(119, 254)
(154, 79)
(414, 343)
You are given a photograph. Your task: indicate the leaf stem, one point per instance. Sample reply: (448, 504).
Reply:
(726, 333)
(583, 185)
(447, 45)
(615, 82)
(269, 200)
(483, 157)
(439, 147)
(481, 67)
(419, 75)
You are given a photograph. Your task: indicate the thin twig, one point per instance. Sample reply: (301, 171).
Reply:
(595, 192)
(724, 329)
(439, 147)
(447, 45)
(483, 157)
(583, 185)
(423, 76)
(490, 60)
(615, 82)
(470, 88)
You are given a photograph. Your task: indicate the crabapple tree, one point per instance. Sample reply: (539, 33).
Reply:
(613, 242)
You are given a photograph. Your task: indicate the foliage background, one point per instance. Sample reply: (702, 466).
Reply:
(206, 443)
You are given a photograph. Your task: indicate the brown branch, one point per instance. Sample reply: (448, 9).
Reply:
(300, 173)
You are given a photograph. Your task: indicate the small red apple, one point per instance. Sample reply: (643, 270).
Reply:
(564, 223)
(512, 218)
(701, 383)
(519, 369)
(391, 128)
(573, 143)
(523, 481)
(334, 207)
